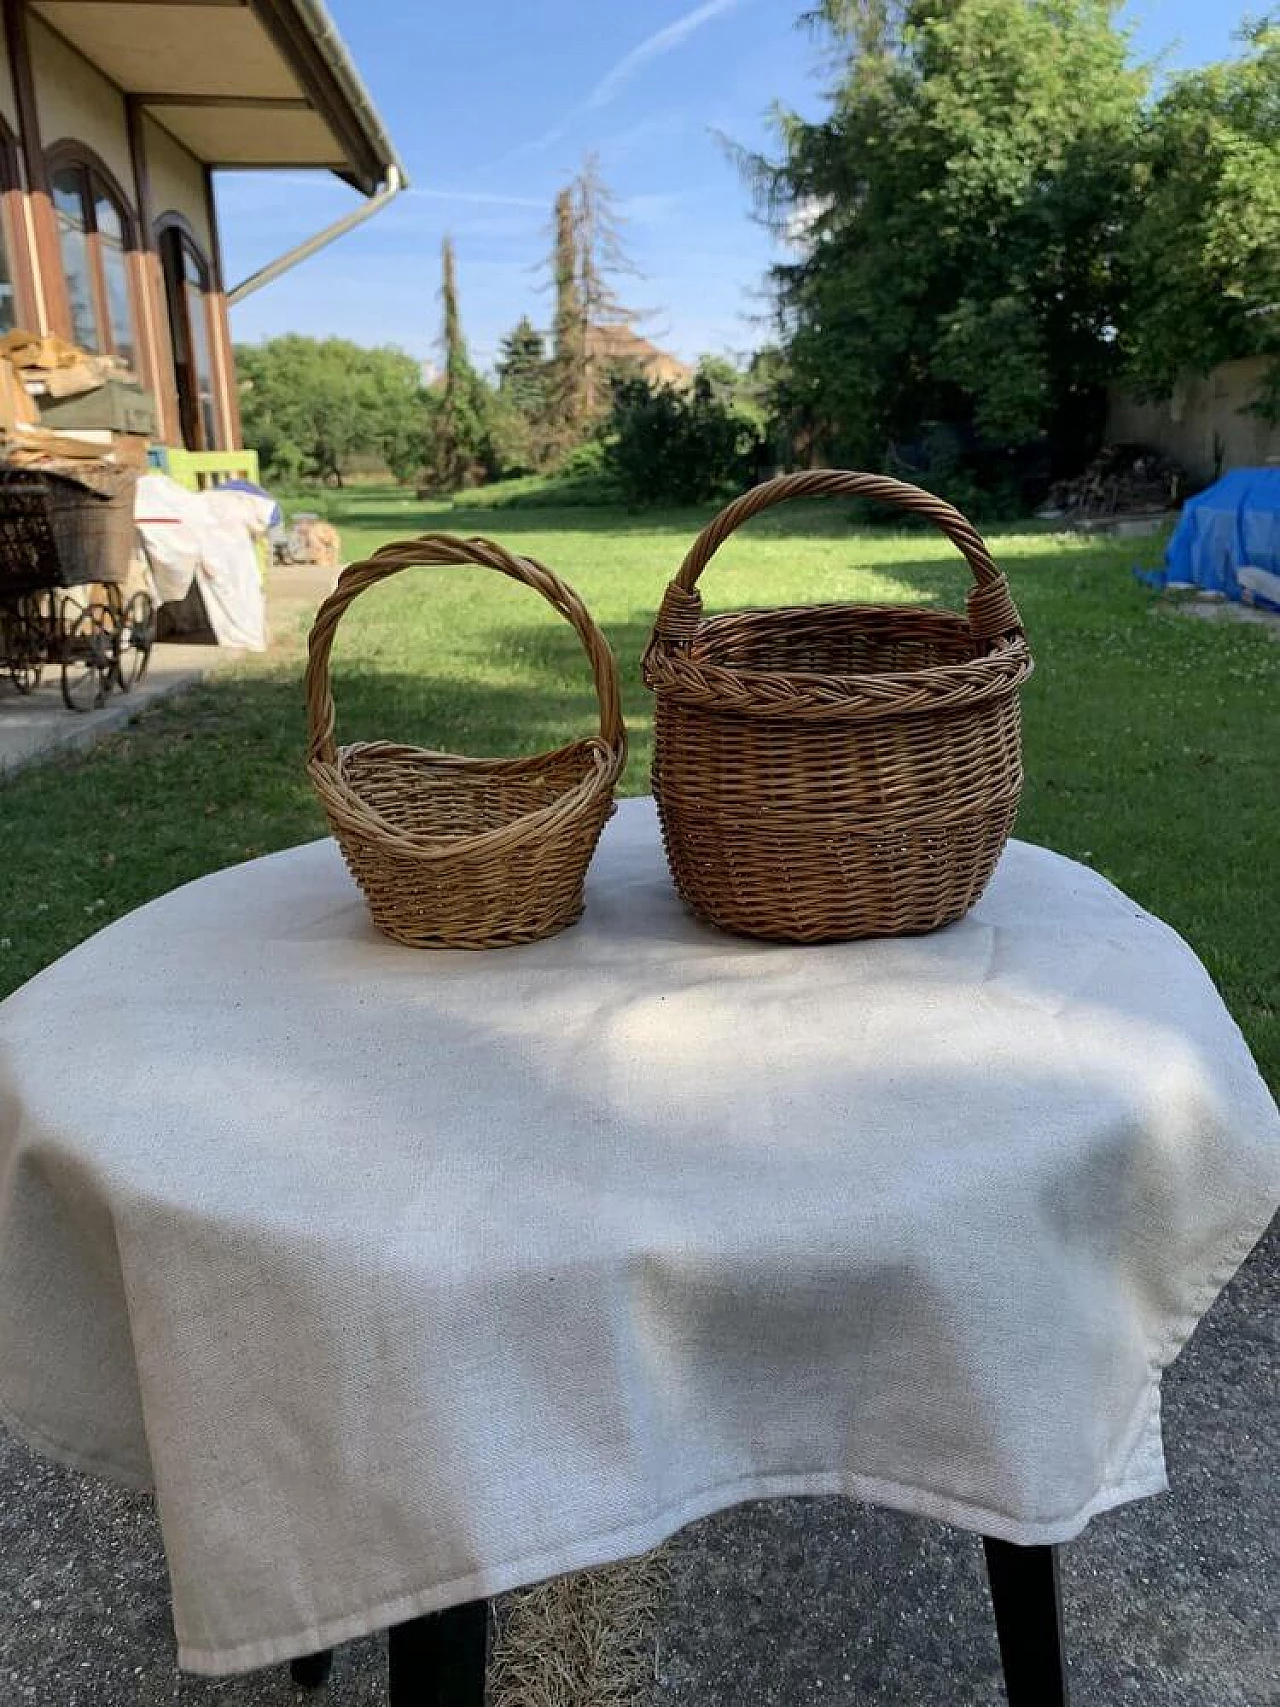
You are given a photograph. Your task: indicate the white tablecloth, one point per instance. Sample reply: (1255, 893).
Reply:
(409, 1277)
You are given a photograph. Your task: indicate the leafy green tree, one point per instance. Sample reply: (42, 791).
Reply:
(518, 426)
(723, 376)
(748, 393)
(512, 445)
(790, 425)
(959, 215)
(1204, 251)
(311, 404)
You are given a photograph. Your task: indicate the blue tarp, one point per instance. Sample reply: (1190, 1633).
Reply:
(1234, 523)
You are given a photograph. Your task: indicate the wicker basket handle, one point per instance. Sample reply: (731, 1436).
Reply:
(437, 549)
(991, 609)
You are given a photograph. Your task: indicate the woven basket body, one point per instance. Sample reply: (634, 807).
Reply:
(454, 852)
(64, 525)
(843, 770)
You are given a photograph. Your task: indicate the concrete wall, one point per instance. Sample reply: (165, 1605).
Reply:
(74, 101)
(1204, 423)
(177, 183)
(77, 102)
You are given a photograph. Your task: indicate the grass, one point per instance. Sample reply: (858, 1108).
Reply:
(545, 492)
(1150, 738)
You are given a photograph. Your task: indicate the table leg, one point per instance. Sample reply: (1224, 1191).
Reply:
(439, 1660)
(1028, 1607)
(312, 1670)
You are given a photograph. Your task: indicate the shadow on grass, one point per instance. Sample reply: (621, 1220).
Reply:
(809, 519)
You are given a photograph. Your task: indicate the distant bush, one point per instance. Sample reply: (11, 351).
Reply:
(585, 461)
(672, 445)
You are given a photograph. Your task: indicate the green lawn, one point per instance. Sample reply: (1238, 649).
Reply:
(1150, 738)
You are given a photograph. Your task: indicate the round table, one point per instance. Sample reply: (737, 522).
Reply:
(408, 1277)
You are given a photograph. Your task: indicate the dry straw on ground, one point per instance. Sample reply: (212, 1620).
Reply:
(588, 1640)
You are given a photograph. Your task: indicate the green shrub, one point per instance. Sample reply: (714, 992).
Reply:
(585, 461)
(669, 445)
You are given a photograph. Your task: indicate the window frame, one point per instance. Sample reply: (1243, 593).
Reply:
(98, 182)
(13, 197)
(178, 228)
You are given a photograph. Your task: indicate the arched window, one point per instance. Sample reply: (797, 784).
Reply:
(95, 230)
(8, 276)
(188, 281)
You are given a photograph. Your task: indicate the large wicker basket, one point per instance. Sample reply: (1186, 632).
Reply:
(65, 523)
(456, 852)
(841, 770)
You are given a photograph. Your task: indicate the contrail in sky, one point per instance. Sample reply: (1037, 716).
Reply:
(653, 47)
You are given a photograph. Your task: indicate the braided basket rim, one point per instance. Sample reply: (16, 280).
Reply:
(349, 808)
(1001, 660)
(997, 666)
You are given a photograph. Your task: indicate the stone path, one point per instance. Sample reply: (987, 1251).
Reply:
(36, 726)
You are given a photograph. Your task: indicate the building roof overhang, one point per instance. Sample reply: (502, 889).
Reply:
(239, 83)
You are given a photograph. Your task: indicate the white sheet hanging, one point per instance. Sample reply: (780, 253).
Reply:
(201, 536)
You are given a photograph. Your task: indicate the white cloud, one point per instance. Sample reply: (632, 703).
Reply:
(638, 140)
(653, 47)
(801, 223)
(547, 140)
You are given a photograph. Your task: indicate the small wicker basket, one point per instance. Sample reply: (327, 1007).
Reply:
(841, 770)
(455, 852)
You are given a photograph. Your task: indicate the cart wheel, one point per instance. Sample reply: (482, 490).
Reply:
(24, 653)
(26, 642)
(24, 674)
(137, 635)
(90, 638)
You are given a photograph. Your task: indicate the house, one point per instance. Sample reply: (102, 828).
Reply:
(114, 116)
(618, 347)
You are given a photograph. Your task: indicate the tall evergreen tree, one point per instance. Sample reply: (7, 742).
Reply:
(459, 432)
(522, 367)
(870, 28)
(567, 390)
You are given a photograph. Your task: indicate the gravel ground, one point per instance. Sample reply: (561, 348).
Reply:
(1171, 1603)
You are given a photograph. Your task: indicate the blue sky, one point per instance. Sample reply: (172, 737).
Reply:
(493, 103)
